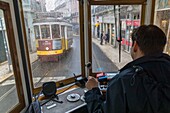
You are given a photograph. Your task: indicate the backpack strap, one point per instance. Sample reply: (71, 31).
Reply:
(147, 80)
(157, 93)
(151, 87)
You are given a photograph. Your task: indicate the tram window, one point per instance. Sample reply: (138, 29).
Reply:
(45, 31)
(37, 32)
(106, 31)
(69, 32)
(55, 31)
(56, 58)
(62, 31)
(9, 96)
(162, 19)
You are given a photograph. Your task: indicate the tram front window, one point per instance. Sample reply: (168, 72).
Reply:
(45, 31)
(70, 33)
(109, 24)
(37, 32)
(57, 54)
(55, 31)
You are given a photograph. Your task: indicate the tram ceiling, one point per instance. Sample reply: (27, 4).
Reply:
(116, 2)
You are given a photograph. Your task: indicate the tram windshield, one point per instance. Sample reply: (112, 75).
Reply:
(111, 28)
(55, 31)
(58, 50)
(55, 56)
(58, 58)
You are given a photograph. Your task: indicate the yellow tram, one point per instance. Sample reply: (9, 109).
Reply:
(53, 38)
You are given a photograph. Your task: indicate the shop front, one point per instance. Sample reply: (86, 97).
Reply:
(127, 28)
(162, 19)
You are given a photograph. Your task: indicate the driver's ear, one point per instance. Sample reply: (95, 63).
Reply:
(135, 46)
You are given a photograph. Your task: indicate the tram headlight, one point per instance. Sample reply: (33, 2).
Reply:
(47, 48)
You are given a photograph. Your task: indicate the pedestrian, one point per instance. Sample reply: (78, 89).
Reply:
(108, 36)
(101, 38)
(104, 37)
(143, 85)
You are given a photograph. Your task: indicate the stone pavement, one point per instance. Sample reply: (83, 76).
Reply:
(113, 53)
(4, 71)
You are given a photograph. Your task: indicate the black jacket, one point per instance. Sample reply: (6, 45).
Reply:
(127, 92)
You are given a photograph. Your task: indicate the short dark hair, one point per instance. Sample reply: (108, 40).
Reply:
(150, 38)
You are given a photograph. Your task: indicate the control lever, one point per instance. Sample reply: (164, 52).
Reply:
(80, 81)
(88, 65)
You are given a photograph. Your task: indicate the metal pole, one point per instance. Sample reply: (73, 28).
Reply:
(120, 36)
(115, 25)
(6, 47)
(130, 9)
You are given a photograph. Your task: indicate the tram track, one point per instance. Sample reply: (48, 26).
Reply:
(46, 74)
(33, 69)
(38, 65)
(41, 78)
(63, 60)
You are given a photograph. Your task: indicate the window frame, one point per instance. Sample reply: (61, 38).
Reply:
(14, 57)
(110, 2)
(67, 80)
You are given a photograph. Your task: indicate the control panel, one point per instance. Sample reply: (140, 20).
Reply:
(104, 78)
(73, 102)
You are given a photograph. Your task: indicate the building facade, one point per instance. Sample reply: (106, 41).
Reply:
(3, 41)
(75, 16)
(63, 7)
(113, 18)
(69, 11)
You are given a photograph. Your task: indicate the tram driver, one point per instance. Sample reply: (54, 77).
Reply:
(143, 85)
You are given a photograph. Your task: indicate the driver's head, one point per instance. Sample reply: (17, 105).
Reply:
(147, 40)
